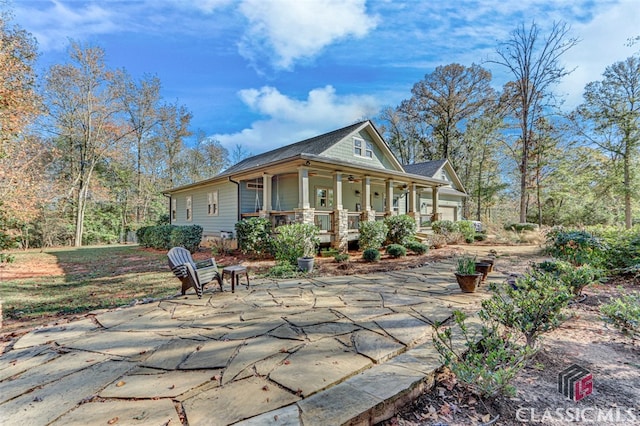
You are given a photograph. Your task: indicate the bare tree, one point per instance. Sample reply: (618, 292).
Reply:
(84, 110)
(172, 130)
(534, 62)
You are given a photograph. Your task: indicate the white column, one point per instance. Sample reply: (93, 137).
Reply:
(366, 194)
(412, 198)
(389, 191)
(266, 192)
(337, 191)
(434, 201)
(303, 188)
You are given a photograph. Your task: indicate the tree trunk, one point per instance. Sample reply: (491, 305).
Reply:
(627, 190)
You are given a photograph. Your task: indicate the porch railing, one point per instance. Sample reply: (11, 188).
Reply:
(324, 221)
(353, 221)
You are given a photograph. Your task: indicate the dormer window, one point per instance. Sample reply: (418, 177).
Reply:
(362, 148)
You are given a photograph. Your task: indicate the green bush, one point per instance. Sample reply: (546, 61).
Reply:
(488, 361)
(401, 229)
(372, 234)
(532, 306)
(282, 270)
(164, 237)
(579, 277)
(7, 241)
(520, 227)
(341, 257)
(478, 236)
(294, 241)
(254, 236)
(329, 252)
(396, 250)
(577, 247)
(443, 227)
(371, 255)
(466, 228)
(624, 312)
(417, 248)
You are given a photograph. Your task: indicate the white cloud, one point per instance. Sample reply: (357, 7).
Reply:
(290, 120)
(294, 29)
(54, 25)
(603, 43)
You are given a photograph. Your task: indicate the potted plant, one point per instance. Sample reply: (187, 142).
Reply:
(297, 244)
(466, 275)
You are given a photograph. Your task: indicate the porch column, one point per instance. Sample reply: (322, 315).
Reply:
(266, 192)
(337, 191)
(303, 188)
(435, 215)
(340, 216)
(368, 215)
(389, 192)
(304, 213)
(413, 211)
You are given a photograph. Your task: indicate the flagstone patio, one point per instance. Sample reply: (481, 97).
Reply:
(318, 351)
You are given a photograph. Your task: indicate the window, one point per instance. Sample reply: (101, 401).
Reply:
(189, 208)
(255, 186)
(212, 206)
(362, 148)
(174, 208)
(324, 198)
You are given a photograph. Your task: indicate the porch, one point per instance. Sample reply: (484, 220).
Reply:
(336, 201)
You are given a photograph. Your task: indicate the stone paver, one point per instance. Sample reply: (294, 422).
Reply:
(326, 350)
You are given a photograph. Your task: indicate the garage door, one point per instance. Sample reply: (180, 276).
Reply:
(448, 213)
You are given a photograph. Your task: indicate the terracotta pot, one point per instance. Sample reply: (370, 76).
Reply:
(483, 268)
(468, 283)
(491, 263)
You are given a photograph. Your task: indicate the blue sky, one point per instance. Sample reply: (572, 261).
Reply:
(263, 73)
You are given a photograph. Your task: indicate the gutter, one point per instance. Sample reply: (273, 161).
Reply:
(237, 196)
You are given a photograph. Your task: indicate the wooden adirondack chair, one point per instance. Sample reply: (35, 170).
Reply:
(190, 273)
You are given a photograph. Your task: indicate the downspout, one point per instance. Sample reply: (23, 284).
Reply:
(237, 196)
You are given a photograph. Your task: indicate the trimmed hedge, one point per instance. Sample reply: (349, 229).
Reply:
(164, 237)
(396, 250)
(371, 255)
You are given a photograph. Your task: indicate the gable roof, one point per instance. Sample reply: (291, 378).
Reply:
(313, 146)
(431, 168)
(428, 168)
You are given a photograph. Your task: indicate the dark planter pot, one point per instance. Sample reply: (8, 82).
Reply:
(305, 264)
(484, 269)
(491, 263)
(468, 283)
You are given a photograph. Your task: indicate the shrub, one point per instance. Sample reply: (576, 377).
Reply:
(480, 236)
(417, 248)
(443, 227)
(577, 247)
(532, 306)
(437, 241)
(372, 234)
(341, 257)
(294, 241)
(520, 227)
(329, 252)
(401, 229)
(282, 270)
(254, 236)
(624, 312)
(487, 362)
(371, 255)
(579, 277)
(466, 228)
(164, 237)
(396, 250)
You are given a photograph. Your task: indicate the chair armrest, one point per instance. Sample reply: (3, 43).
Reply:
(206, 264)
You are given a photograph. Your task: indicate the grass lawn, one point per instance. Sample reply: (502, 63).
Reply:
(62, 281)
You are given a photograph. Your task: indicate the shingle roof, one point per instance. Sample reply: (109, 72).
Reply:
(428, 168)
(314, 146)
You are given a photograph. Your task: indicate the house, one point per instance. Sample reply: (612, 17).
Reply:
(335, 180)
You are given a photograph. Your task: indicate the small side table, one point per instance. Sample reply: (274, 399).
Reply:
(236, 272)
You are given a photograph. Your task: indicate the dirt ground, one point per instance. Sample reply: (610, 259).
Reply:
(585, 339)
